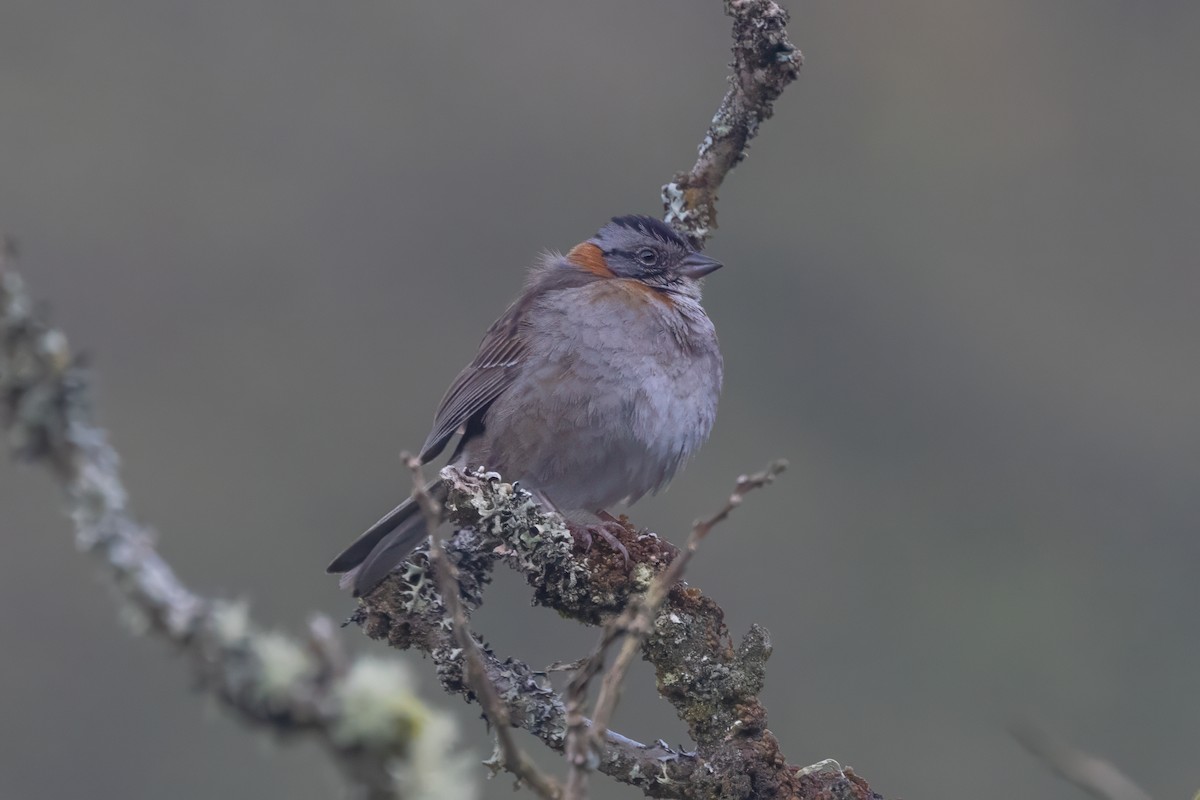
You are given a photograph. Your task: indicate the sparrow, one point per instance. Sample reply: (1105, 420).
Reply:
(593, 388)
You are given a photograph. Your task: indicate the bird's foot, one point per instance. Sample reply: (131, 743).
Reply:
(606, 529)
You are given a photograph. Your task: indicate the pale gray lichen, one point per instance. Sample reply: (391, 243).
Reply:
(673, 199)
(379, 710)
(379, 706)
(229, 622)
(434, 769)
(641, 576)
(694, 222)
(528, 537)
(420, 589)
(283, 665)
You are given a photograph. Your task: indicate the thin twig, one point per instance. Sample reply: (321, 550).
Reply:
(580, 750)
(764, 63)
(513, 757)
(637, 620)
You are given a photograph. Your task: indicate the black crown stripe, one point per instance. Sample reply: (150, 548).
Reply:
(652, 226)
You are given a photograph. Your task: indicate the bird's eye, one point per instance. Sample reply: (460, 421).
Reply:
(647, 257)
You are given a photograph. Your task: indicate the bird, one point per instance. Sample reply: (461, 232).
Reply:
(593, 388)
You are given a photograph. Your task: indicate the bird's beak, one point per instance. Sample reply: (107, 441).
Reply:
(697, 265)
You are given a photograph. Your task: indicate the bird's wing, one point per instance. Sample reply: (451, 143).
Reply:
(493, 370)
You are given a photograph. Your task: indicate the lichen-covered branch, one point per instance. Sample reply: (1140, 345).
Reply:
(408, 610)
(764, 63)
(510, 756)
(634, 625)
(712, 683)
(365, 712)
(636, 620)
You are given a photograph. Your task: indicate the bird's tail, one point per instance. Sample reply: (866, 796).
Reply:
(385, 544)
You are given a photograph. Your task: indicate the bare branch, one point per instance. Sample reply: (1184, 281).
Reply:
(1092, 774)
(364, 712)
(512, 757)
(764, 63)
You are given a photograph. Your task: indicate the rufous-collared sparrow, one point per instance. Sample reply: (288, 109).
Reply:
(594, 387)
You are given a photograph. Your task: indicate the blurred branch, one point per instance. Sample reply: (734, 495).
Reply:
(365, 713)
(764, 63)
(1094, 775)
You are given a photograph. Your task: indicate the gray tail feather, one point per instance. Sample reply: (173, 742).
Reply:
(384, 545)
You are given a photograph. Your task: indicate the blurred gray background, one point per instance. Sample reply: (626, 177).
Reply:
(961, 297)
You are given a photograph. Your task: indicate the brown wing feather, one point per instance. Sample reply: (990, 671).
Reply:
(492, 371)
(501, 353)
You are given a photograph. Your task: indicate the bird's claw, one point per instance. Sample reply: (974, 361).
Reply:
(606, 530)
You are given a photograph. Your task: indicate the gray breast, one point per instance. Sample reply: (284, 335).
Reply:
(608, 406)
